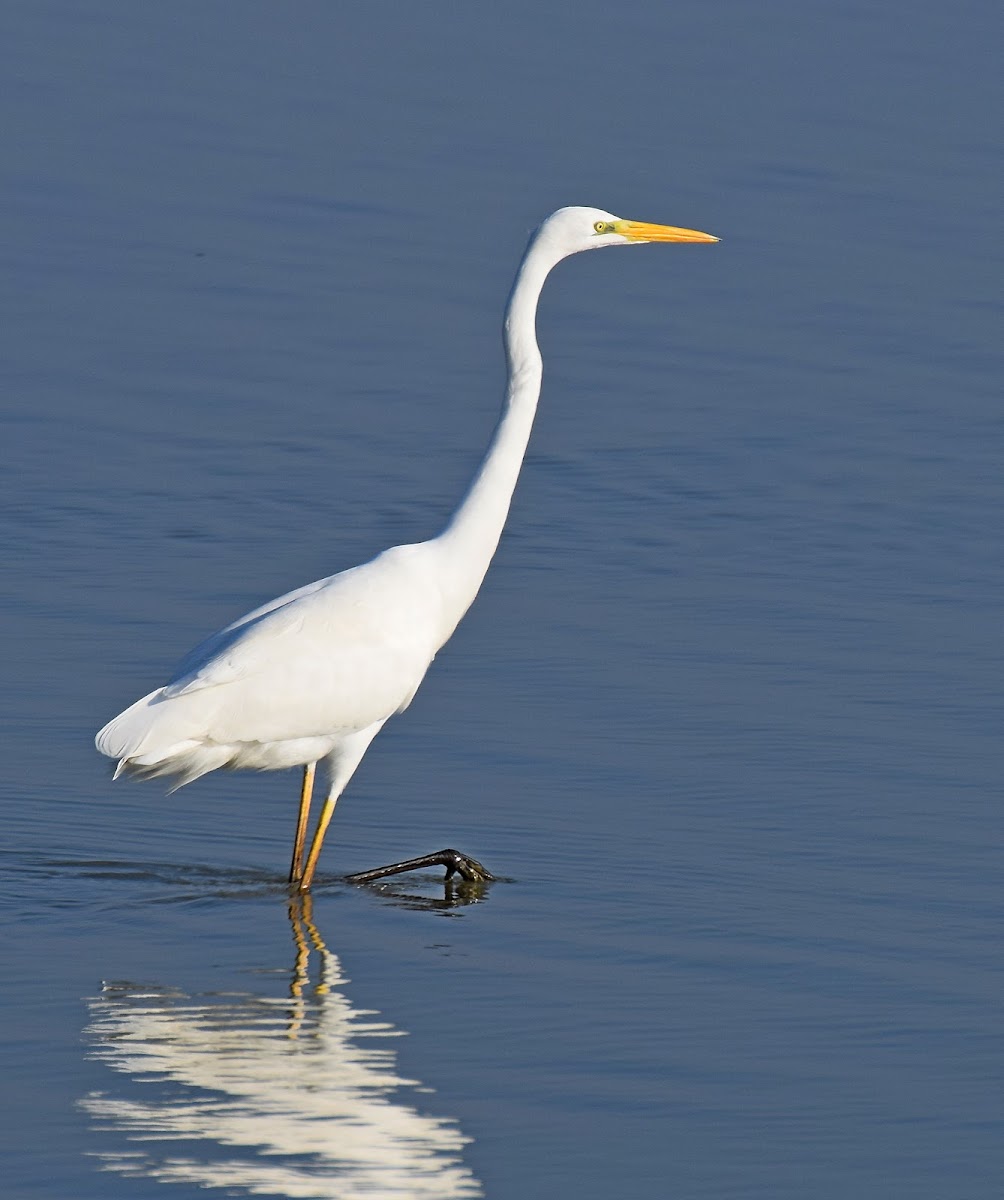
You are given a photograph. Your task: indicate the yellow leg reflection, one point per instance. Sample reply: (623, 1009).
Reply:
(305, 936)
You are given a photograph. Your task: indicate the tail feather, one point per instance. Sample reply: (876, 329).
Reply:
(160, 735)
(185, 762)
(154, 724)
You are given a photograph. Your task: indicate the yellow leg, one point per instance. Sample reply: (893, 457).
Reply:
(342, 764)
(315, 846)
(306, 791)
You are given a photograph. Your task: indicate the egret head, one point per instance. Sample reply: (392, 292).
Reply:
(570, 230)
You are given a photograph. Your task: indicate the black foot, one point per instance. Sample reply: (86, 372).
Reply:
(469, 869)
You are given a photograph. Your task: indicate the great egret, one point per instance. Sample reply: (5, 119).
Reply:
(314, 675)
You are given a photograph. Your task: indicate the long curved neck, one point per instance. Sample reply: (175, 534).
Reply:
(469, 541)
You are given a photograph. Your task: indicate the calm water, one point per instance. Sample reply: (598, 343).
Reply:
(727, 715)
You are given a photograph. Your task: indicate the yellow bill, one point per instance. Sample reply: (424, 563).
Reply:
(642, 231)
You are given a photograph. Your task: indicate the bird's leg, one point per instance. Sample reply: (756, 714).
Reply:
(469, 869)
(306, 791)
(315, 846)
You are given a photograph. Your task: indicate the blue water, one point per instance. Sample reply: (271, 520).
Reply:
(727, 715)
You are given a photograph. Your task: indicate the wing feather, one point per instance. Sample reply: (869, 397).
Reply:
(334, 656)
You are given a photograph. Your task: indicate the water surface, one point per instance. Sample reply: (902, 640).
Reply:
(727, 714)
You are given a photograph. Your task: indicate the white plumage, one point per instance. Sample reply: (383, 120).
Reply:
(315, 674)
(284, 685)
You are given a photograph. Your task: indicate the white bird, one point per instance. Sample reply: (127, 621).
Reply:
(314, 675)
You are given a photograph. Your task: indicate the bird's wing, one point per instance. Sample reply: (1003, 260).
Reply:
(214, 649)
(335, 655)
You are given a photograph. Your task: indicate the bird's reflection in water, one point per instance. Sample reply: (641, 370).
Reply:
(295, 1095)
(402, 892)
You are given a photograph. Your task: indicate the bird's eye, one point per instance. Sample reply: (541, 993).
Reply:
(601, 227)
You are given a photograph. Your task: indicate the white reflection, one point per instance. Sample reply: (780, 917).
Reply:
(293, 1096)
